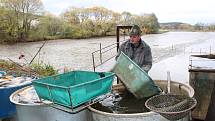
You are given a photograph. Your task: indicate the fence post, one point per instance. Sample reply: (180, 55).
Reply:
(100, 51)
(93, 62)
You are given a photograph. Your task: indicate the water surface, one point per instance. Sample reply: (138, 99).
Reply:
(76, 53)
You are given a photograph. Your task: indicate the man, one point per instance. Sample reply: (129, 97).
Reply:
(137, 50)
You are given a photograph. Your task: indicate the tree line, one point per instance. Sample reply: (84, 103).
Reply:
(178, 26)
(26, 20)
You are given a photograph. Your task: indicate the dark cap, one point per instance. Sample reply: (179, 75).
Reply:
(135, 30)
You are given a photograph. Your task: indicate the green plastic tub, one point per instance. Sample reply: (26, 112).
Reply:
(134, 78)
(74, 88)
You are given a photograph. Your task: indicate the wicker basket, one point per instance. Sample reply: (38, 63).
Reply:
(172, 107)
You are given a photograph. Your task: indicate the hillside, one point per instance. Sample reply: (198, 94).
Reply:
(175, 26)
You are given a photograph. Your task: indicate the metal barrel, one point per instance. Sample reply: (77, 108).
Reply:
(42, 112)
(176, 88)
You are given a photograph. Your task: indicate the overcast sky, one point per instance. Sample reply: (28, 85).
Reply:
(188, 11)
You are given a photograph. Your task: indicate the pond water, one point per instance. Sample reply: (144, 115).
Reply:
(76, 53)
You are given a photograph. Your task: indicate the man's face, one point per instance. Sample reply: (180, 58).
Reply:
(135, 39)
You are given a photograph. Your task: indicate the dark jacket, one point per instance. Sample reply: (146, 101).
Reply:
(140, 54)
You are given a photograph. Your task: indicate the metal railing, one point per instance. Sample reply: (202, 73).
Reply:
(108, 48)
(101, 51)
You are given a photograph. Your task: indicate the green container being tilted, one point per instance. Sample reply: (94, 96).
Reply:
(74, 88)
(134, 78)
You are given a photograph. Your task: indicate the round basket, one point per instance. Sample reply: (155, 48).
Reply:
(172, 107)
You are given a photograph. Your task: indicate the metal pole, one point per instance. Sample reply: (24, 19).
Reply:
(117, 38)
(168, 82)
(93, 62)
(117, 45)
(37, 52)
(210, 49)
(100, 45)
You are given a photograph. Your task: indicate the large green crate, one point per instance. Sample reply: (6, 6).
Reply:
(74, 88)
(134, 78)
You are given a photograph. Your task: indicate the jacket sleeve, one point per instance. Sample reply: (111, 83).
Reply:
(147, 60)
